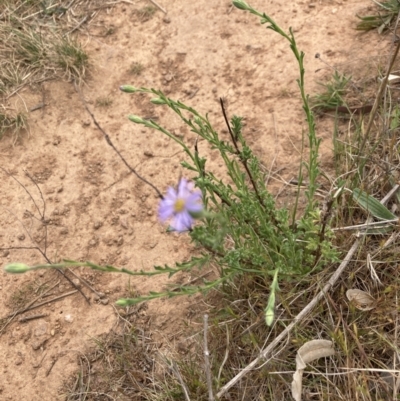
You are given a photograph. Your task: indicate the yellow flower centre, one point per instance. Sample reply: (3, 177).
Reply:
(179, 205)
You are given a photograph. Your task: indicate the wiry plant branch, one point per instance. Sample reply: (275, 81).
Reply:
(43, 252)
(244, 162)
(108, 140)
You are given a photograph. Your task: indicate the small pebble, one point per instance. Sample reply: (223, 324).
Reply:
(97, 225)
(104, 301)
(76, 282)
(68, 318)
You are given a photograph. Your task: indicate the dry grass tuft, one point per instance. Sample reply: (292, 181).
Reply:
(38, 43)
(121, 365)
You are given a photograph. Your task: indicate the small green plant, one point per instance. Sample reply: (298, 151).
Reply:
(333, 95)
(110, 31)
(383, 19)
(147, 12)
(136, 68)
(104, 101)
(22, 296)
(13, 124)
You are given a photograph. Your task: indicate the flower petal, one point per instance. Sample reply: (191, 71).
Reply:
(182, 188)
(165, 212)
(182, 222)
(171, 194)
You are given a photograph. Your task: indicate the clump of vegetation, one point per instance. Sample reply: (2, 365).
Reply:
(13, 124)
(146, 13)
(386, 16)
(71, 58)
(136, 68)
(31, 52)
(333, 95)
(104, 101)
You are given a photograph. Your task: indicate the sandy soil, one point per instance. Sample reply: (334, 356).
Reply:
(94, 208)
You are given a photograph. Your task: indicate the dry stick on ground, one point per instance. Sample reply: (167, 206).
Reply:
(99, 294)
(379, 97)
(28, 318)
(42, 220)
(175, 370)
(157, 5)
(67, 294)
(26, 308)
(207, 360)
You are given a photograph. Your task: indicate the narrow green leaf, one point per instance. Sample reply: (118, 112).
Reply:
(372, 205)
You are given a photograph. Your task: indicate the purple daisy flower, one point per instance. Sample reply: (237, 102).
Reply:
(181, 205)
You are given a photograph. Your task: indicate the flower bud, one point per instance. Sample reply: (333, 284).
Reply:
(17, 268)
(136, 119)
(128, 88)
(242, 5)
(270, 310)
(269, 316)
(157, 100)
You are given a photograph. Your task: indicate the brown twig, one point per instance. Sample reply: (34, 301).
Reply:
(99, 294)
(207, 360)
(30, 307)
(157, 5)
(108, 140)
(53, 362)
(25, 309)
(379, 98)
(239, 154)
(177, 373)
(51, 300)
(28, 318)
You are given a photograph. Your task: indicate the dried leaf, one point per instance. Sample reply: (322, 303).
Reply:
(308, 352)
(361, 299)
